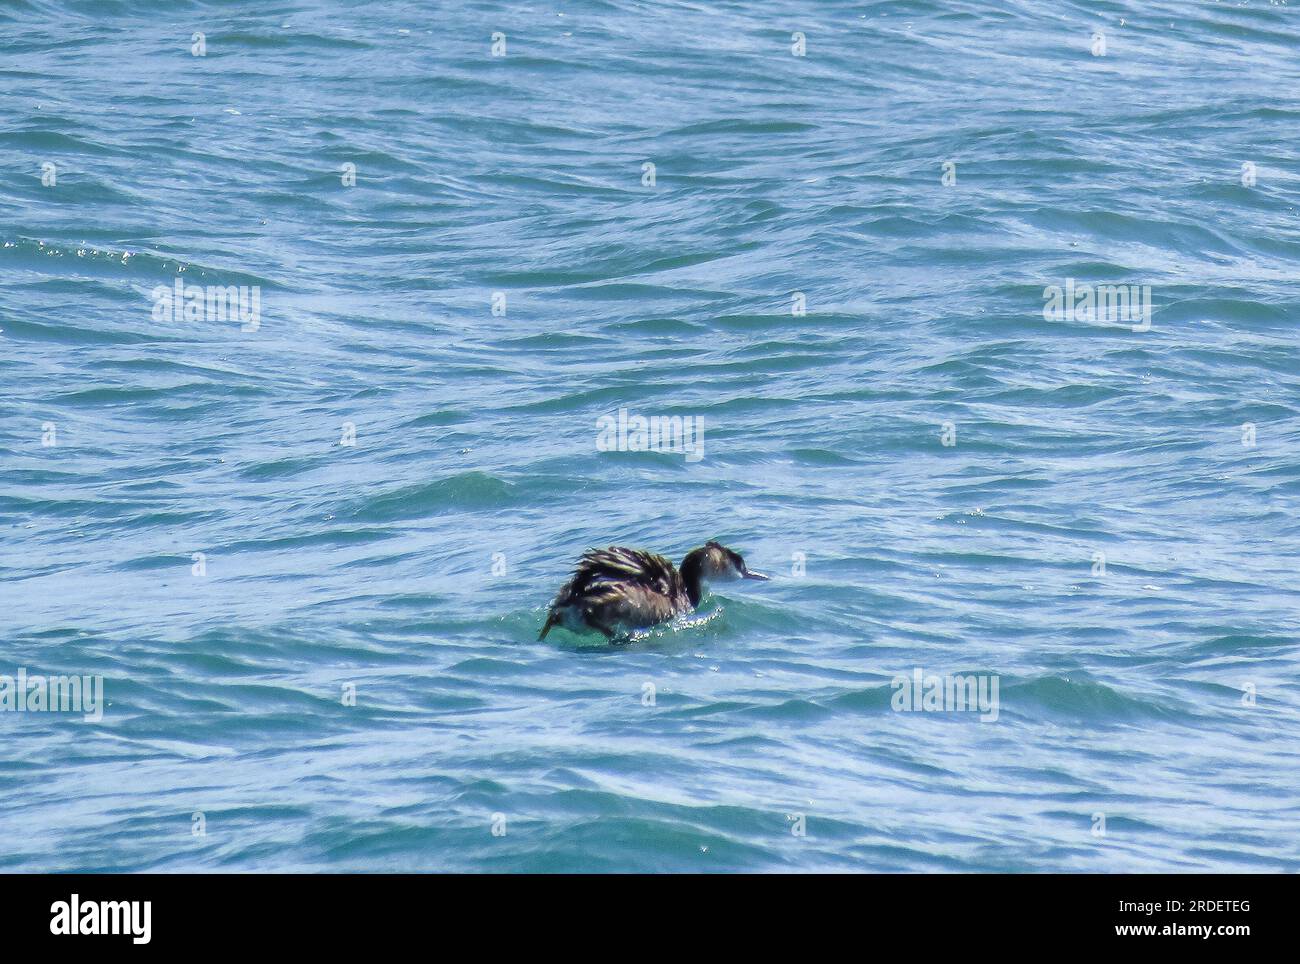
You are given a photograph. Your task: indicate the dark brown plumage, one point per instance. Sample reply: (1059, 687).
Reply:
(617, 590)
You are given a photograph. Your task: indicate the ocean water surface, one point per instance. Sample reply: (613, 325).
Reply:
(823, 229)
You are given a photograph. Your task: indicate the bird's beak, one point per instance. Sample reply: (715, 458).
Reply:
(751, 574)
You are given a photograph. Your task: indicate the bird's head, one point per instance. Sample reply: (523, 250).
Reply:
(717, 563)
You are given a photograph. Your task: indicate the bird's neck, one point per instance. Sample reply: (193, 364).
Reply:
(692, 571)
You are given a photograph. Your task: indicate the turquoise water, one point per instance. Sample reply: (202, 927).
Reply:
(1103, 536)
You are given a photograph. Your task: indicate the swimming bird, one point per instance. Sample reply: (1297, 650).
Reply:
(617, 590)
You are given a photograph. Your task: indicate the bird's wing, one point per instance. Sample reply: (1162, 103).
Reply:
(613, 606)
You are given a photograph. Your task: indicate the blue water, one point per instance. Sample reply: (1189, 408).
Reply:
(416, 564)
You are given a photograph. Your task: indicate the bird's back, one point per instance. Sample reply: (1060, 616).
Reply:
(621, 587)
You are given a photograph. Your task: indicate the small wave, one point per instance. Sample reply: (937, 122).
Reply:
(1085, 699)
(468, 491)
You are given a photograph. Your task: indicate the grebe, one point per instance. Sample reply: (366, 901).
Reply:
(616, 590)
